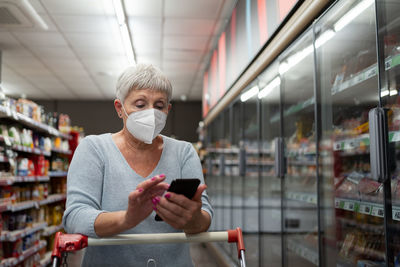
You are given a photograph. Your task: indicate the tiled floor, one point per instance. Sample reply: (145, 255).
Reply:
(201, 257)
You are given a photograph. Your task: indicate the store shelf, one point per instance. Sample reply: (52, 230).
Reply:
(304, 197)
(58, 174)
(20, 179)
(369, 208)
(35, 151)
(12, 236)
(302, 250)
(32, 203)
(25, 120)
(365, 74)
(52, 198)
(364, 226)
(223, 150)
(60, 151)
(301, 162)
(49, 230)
(355, 80)
(26, 254)
(46, 259)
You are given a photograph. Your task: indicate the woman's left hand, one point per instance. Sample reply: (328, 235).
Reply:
(181, 212)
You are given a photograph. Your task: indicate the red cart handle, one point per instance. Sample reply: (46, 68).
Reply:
(74, 242)
(236, 236)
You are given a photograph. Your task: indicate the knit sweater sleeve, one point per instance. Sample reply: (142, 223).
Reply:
(84, 189)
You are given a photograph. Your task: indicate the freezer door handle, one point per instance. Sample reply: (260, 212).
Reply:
(378, 136)
(279, 157)
(242, 162)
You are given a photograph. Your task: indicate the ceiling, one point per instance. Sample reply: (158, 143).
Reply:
(81, 54)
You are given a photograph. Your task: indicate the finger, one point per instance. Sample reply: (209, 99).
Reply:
(171, 207)
(172, 218)
(199, 192)
(151, 182)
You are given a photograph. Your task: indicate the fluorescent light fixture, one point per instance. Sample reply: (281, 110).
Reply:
(123, 27)
(352, 14)
(393, 92)
(119, 12)
(34, 15)
(249, 94)
(126, 41)
(269, 87)
(385, 93)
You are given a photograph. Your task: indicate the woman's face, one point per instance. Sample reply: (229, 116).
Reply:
(138, 100)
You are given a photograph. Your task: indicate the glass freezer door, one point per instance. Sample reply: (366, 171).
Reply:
(389, 30)
(300, 216)
(270, 183)
(351, 201)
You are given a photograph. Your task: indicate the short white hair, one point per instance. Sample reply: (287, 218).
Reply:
(142, 76)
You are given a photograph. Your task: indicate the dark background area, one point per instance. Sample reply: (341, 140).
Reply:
(97, 117)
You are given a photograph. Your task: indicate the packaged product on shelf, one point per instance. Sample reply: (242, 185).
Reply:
(26, 138)
(47, 144)
(64, 123)
(15, 135)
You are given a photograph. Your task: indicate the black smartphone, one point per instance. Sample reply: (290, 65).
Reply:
(186, 187)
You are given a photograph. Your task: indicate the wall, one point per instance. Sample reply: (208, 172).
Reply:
(98, 117)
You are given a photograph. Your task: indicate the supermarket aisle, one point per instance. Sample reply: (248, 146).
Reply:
(201, 257)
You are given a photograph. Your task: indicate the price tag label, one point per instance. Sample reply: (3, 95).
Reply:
(8, 111)
(337, 203)
(365, 209)
(313, 199)
(396, 137)
(377, 211)
(349, 206)
(371, 73)
(396, 215)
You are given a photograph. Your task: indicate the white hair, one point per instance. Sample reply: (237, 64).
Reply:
(142, 76)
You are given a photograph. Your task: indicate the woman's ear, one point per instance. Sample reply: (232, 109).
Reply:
(118, 107)
(169, 107)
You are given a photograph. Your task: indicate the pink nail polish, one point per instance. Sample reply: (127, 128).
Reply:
(153, 179)
(154, 201)
(157, 199)
(140, 190)
(162, 175)
(155, 208)
(167, 195)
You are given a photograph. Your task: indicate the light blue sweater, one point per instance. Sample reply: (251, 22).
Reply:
(100, 180)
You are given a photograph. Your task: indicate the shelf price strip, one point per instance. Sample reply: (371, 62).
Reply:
(372, 209)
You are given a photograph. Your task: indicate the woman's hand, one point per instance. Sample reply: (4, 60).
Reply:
(140, 203)
(183, 213)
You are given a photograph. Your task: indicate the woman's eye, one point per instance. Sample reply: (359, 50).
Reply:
(140, 106)
(159, 107)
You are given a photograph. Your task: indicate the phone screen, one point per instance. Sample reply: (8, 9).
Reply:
(186, 187)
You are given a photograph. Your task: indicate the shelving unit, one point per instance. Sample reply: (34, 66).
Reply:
(9, 262)
(12, 208)
(306, 252)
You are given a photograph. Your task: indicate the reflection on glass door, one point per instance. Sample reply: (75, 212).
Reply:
(270, 184)
(251, 173)
(390, 38)
(300, 182)
(352, 206)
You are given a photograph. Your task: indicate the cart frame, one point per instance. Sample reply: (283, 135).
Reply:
(64, 243)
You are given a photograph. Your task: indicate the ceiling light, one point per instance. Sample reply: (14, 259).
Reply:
(352, 14)
(183, 97)
(32, 12)
(249, 94)
(323, 38)
(393, 92)
(124, 30)
(269, 87)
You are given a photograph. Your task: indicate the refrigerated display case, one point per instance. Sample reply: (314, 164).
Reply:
(323, 181)
(270, 183)
(352, 211)
(299, 206)
(389, 61)
(250, 161)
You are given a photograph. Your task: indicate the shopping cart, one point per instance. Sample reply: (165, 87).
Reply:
(64, 243)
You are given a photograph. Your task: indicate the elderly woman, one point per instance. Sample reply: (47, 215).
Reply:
(116, 182)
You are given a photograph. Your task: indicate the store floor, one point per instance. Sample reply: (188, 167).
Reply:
(201, 257)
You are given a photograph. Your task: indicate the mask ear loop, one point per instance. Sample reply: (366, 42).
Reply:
(123, 109)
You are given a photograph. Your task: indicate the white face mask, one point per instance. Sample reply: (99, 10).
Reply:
(146, 124)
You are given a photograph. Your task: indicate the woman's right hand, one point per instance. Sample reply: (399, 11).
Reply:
(140, 203)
